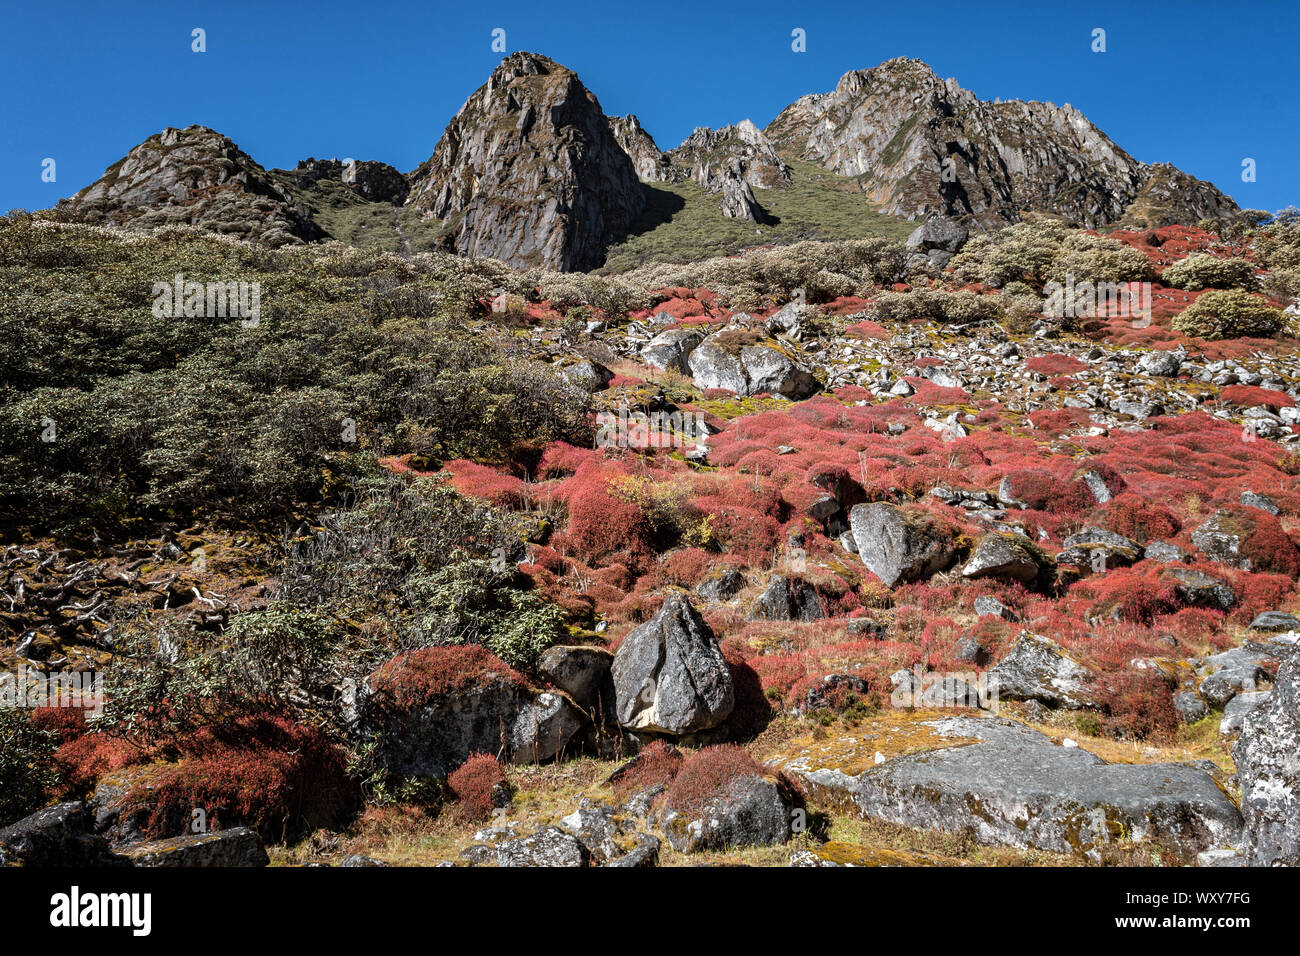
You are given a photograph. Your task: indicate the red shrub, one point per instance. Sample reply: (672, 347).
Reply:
(1134, 517)
(83, 760)
(707, 774)
(66, 723)
(601, 521)
(1134, 594)
(265, 772)
(1139, 704)
(655, 766)
(1250, 396)
(479, 481)
(415, 677)
(778, 672)
(477, 785)
(1055, 364)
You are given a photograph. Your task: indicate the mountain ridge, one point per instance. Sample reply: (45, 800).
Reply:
(531, 171)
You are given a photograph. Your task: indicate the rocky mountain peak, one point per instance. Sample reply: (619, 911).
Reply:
(922, 145)
(529, 171)
(192, 176)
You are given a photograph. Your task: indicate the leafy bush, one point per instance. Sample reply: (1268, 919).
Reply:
(1229, 314)
(707, 774)
(1204, 271)
(26, 768)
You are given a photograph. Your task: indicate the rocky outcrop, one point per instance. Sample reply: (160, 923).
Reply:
(372, 181)
(237, 847)
(194, 176)
(924, 145)
(1269, 770)
(669, 673)
(1012, 786)
(61, 835)
(746, 364)
(529, 171)
(651, 164)
(733, 161)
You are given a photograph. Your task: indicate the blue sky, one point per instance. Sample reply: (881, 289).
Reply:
(1200, 84)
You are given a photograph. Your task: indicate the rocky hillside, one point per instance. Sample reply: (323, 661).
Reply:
(834, 553)
(529, 171)
(922, 145)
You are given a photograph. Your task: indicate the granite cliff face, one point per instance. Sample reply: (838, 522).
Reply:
(923, 145)
(529, 171)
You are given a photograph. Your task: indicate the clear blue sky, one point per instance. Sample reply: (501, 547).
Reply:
(1199, 84)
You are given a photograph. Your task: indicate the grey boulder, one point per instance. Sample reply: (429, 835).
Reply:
(669, 673)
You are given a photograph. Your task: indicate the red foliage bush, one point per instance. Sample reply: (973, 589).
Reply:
(1249, 396)
(1267, 546)
(84, 759)
(707, 774)
(1042, 491)
(415, 677)
(1057, 363)
(1134, 517)
(1136, 594)
(265, 772)
(778, 672)
(66, 723)
(1139, 704)
(480, 481)
(655, 766)
(600, 521)
(476, 785)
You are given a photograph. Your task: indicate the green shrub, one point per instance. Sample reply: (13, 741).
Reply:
(1229, 314)
(26, 767)
(1203, 271)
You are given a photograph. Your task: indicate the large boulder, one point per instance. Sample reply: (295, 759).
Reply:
(1037, 668)
(61, 835)
(542, 728)
(581, 672)
(999, 555)
(1268, 765)
(1228, 673)
(938, 232)
(898, 546)
(743, 362)
(671, 348)
(752, 810)
(786, 599)
(429, 710)
(236, 847)
(669, 673)
(1010, 785)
